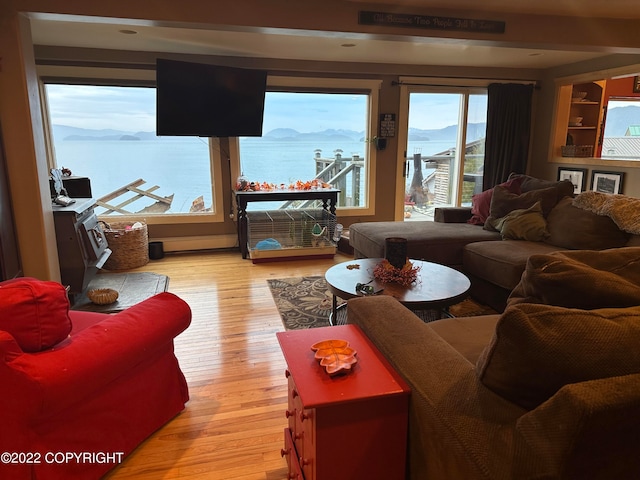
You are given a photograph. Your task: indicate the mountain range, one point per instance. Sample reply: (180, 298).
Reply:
(618, 121)
(449, 133)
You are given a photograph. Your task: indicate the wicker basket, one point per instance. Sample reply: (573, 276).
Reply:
(102, 296)
(577, 150)
(129, 247)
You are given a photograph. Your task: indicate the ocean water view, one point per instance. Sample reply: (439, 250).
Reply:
(175, 164)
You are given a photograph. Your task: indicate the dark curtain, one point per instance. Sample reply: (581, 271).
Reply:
(508, 131)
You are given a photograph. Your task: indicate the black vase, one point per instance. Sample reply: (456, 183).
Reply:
(395, 251)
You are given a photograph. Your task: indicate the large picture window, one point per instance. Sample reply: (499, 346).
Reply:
(107, 133)
(321, 135)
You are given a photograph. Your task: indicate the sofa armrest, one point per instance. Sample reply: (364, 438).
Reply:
(454, 421)
(452, 214)
(100, 354)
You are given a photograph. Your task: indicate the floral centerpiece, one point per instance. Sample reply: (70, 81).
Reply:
(387, 273)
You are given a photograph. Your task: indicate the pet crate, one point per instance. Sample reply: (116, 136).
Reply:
(280, 234)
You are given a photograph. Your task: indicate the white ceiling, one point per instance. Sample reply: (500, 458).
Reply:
(330, 46)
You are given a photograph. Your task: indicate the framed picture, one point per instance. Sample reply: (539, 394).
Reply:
(578, 177)
(606, 182)
(636, 84)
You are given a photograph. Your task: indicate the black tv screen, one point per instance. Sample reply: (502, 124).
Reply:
(205, 100)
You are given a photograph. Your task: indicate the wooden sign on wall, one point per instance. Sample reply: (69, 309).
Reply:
(433, 22)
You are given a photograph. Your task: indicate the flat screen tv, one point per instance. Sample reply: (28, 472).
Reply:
(205, 100)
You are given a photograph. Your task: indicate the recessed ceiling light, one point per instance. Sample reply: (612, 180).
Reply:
(128, 32)
(348, 45)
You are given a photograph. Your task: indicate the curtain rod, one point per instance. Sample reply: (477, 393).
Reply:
(497, 80)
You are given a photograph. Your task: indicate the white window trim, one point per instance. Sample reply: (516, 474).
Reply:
(373, 87)
(115, 74)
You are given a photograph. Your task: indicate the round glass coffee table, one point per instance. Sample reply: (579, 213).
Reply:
(436, 288)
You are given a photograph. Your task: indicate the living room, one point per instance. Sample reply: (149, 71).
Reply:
(27, 177)
(614, 53)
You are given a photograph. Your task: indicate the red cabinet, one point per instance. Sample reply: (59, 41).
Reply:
(351, 426)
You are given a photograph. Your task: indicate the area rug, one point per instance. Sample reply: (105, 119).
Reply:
(132, 288)
(305, 302)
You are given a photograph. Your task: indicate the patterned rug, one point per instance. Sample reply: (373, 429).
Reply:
(305, 302)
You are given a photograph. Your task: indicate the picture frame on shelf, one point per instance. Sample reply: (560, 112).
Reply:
(578, 177)
(636, 84)
(607, 182)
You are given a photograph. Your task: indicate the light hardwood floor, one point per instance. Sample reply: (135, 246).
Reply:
(233, 425)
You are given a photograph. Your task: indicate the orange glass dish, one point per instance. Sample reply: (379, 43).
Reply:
(336, 356)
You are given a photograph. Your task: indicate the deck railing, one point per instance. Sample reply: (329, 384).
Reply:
(344, 174)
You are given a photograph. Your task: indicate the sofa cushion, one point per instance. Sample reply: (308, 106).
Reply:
(585, 279)
(564, 188)
(523, 224)
(579, 229)
(537, 349)
(431, 241)
(481, 202)
(501, 263)
(468, 335)
(504, 202)
(34, 312)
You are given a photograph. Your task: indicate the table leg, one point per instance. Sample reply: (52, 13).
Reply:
(242, 228)
(334, 311)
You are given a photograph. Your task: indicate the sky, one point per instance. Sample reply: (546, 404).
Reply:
(96, 107)
(133, 109)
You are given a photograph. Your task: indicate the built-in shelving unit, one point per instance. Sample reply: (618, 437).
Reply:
(579, 120)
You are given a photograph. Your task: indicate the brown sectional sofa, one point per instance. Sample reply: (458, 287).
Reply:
(494, 264)
(549, 389)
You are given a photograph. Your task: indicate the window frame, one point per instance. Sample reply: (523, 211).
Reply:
(327, 85)
(123, 77)
(409, 85)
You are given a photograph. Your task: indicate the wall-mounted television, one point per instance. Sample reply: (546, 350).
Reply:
(198, 99)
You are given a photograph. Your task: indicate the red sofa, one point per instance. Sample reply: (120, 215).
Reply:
(80, 390)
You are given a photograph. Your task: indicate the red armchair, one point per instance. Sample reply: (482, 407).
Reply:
(80, 390)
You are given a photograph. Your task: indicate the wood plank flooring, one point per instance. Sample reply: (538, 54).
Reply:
(232, 427)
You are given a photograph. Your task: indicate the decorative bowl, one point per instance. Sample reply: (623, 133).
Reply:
(575, 121)
(578, 95)
(102, 296)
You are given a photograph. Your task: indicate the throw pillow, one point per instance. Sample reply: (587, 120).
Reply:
(585, 279)
(575, 228)
(523, 224)
(563, 188)
(503, 202)
(34, 312)
(481, 202)
(537, 349)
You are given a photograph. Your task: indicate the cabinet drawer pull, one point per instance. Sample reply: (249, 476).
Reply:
(294, 393)
(303, 416)
(303, 461)
(287, 373)
(284, 452)
(289, 413)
